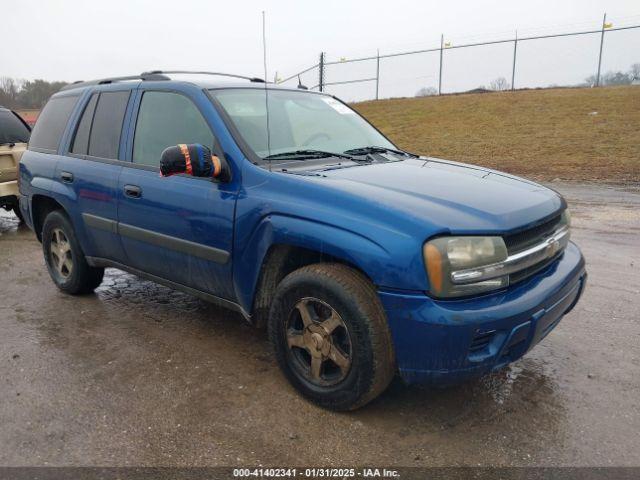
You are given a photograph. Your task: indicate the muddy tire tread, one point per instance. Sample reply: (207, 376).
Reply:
(365, 297)
(85, 279)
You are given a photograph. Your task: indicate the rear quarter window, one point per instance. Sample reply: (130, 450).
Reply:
(51, 123)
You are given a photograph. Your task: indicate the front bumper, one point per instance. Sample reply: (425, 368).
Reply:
(445, 342)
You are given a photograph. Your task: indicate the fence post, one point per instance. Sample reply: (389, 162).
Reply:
(604, 21)
(513, 71)
(377, 73)
(440, 74)
(321, 72)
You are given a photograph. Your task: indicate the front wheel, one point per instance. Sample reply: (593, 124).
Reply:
(330, 336)
(64, 258)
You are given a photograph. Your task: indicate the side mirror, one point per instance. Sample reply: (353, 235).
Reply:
(194, 159)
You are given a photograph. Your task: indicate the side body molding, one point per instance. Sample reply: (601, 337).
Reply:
(172, 243)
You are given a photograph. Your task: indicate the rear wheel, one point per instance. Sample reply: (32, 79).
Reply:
(65, 260)
(330, 336)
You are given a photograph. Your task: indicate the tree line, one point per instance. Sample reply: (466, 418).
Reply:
(616, 78)
(606, 79)
(26, 94)
(33, 94)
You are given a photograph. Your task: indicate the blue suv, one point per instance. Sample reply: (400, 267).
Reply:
(285, 205)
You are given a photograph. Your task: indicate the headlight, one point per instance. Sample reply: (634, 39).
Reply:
(446, 255)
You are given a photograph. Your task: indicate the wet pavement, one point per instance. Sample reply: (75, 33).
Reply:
(138, 374)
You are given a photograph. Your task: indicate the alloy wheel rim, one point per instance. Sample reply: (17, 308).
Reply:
(319, 344)
(60, 255)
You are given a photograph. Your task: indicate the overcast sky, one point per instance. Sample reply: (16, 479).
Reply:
(73, 39)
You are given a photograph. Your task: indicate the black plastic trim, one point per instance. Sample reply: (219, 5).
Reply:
(223, 302)
(100, 223)
(184, 246)
(172, 243)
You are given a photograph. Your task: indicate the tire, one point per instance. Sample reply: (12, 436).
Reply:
(18, 213)
(59, 242)
(345, 322)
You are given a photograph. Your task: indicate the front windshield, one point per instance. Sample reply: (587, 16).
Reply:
(298, 120)
(12, 130)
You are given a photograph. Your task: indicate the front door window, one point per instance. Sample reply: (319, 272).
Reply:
(166, 119)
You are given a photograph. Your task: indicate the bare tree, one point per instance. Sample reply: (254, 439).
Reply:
(8, 92)
(590, 81)
(26, 93)
(634, 71)
(426, 92)
(616, 78)
(8, 84)
(499, 84)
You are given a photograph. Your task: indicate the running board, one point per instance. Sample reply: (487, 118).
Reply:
(106, 263)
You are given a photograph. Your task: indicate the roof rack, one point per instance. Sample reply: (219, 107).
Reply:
(190, 72)
(153, 75)
(103, 81)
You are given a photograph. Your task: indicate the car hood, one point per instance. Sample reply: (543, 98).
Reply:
(452, 197)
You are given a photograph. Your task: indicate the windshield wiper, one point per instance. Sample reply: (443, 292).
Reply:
(374, 149)
(307, 155)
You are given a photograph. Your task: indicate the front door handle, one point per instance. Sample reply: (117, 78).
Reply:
(67, 177)
(132, 191)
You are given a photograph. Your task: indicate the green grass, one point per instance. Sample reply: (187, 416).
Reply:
(583, 134)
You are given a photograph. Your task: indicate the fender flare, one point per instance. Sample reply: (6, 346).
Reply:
(279, 229)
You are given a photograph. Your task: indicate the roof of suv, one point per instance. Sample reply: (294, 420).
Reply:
(199, 78)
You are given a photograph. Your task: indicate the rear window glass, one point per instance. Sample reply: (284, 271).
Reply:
(51, 123)
(12, 130)
(104, 139)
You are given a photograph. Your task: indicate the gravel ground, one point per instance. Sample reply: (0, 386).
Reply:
(138, 374)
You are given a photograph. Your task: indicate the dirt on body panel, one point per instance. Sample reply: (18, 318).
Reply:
(139, 374)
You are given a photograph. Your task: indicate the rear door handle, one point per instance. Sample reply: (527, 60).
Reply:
(132, 191)
(67, 177)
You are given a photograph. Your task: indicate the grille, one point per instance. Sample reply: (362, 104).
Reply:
(533, 269)
(517, 242)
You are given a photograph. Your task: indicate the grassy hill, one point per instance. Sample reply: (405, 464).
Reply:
(571, 134)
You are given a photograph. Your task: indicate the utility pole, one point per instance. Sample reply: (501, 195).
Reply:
(604, 22)
(440, 75)
(513, 71)
(377, 73)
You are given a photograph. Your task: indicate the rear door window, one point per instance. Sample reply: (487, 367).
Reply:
(81, 139)
(12, 129)
(166, 119)
(104, 138)
(51, 123)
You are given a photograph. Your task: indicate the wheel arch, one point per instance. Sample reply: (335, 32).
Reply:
(279, 261)
(280, 245)
(41, 206)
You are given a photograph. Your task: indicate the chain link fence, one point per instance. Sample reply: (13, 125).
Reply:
(590, 57)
